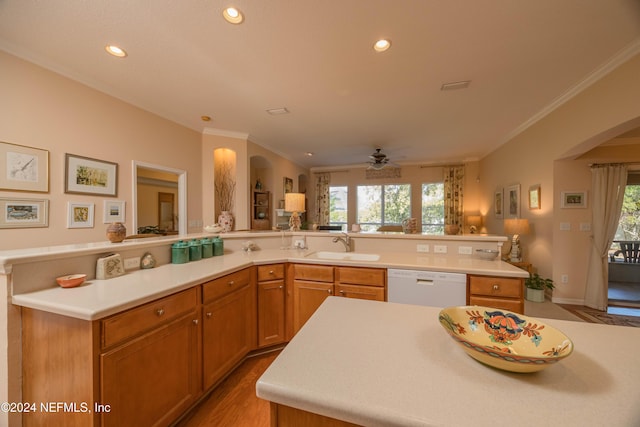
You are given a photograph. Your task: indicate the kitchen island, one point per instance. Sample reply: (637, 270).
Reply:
(385, 364)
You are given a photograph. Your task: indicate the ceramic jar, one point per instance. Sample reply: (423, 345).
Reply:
(218, 247)
(116, 232)
(179, 253)
(207, 247)
(225, 220)
(195, 250)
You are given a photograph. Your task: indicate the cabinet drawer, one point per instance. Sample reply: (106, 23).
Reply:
(316, 273)
(270, 272)
(361, 276)
(137, 320)
(225, 284)
(504, 304)
(360, 292)
(495, 286)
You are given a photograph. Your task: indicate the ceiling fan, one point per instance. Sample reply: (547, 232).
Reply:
(378, 160)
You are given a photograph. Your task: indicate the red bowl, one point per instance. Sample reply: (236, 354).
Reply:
(71, 281)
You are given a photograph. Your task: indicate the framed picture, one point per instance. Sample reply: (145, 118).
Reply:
(534, 197)
(23, 168)
(288, 185)
(24, 213)
(573, 199)
(90, 176)
(497, 204)
(113, 211)
(513, 201)
(80, 215)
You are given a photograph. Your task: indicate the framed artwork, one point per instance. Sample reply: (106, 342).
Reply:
(534, 197)
(24, 213)
(113, 211)
(573, 199)
(497, 204)
(288, 185)
(90, 176)
(80, 215)
(23, 168)
(513, 201)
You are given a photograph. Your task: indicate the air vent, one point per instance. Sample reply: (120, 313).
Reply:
(278, 111)
(455, 85)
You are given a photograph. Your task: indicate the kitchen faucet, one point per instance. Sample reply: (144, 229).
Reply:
(346, 241)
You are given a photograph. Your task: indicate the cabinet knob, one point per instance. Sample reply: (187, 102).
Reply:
(160, 312)
(496, 287)
(280, 287)
(209, 314)
(271, 272)
(341, 292)
(329, 290)
(195, 321)
(231, 283)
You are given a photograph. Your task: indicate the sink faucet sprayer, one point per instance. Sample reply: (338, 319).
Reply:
(346, 241)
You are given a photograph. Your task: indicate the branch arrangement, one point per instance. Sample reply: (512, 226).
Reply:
(225, 186)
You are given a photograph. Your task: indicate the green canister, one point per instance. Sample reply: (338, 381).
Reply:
(195, 250)
(218, 246)
(179, 252)
(207, 247)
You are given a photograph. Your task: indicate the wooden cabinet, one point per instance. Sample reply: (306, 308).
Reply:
(499, 292)
(228, 323)
(261, 210)
(361, 283)
(271, 304)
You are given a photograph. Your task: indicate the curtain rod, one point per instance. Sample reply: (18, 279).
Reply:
(614, 163)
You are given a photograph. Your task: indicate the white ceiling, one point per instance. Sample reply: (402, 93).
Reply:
(315, 58)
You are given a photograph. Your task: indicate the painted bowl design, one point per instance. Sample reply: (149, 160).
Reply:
(505, 340)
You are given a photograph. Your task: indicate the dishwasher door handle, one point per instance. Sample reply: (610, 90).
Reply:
(425, 282)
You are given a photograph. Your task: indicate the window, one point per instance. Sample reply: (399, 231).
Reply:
(338, 196)
(383, 205)
(433, 208)
(629, 223)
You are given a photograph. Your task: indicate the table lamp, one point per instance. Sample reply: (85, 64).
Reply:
(294, 203)
(474, 222)
(516, 227)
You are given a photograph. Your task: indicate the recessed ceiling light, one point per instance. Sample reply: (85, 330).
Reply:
(455, 85)
(308, 154)
(205, 118)
(115, 50)
(233, 15)
(277, 111)
(382, 45)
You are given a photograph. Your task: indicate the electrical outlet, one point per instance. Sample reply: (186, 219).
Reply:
(564, 278)
(465, 250)
(130, 263)
(423, 248)
(585, 226)
(565, 226)
(440, 249)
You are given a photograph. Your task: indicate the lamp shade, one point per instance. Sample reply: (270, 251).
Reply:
(516, 226)
(474, 220)
(294, 202)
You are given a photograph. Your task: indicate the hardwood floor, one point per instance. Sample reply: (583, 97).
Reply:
(234, 402)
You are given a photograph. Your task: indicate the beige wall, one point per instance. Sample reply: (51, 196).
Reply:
(44, 110)
(607, 108)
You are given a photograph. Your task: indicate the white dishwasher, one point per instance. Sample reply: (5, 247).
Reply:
(432, 288)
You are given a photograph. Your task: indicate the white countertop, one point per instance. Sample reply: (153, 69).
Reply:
(385, 364)
(97, 299)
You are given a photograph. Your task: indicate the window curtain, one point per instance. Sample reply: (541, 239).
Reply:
(608, 183)
(453, 194)
(322, 198)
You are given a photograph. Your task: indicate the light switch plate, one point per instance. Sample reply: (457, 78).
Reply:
(465, 250)
(422, 248)
(130, 263)
(440, 249)
(565, 226)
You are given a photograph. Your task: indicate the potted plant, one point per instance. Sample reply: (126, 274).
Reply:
(536, 286)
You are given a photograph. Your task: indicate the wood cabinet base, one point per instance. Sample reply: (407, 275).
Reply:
(286, 416)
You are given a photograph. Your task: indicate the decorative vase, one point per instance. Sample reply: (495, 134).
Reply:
(535, 295)
(116, 232)
(451, 229)
(225, 220)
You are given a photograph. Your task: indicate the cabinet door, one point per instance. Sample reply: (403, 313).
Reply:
(307, 297)
(228, 332)
(153, 379)
(360, 292)
(271, 313)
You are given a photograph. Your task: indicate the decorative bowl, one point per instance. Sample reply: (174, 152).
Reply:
(505, 340)
(489, 254)
(215, 228)
(71, 281)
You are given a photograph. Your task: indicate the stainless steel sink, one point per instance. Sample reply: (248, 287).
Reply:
(348, 256)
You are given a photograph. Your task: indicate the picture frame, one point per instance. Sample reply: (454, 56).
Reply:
(84, 175)
(573, 200)
(80, 215)
(498, 203)
(23, 168)
(24, 213)
(512, 199)
(534, 197)
(287, 184)
(114, 211)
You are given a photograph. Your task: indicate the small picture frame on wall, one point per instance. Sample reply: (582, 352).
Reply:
(497, 203)
(534, 197)
(84, 175)
(573, 200)
(114, 211)
(513, 201)
(287, 185)
(23, 168)
(80, 215)
(24, 213)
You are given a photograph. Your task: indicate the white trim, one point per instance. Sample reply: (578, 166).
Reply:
(227, 133)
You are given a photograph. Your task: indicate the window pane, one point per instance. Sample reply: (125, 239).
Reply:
(338, 196)
(369, 207)
(433, 208)
(397, 203)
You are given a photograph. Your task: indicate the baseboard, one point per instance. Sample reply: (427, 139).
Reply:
(570, 301)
